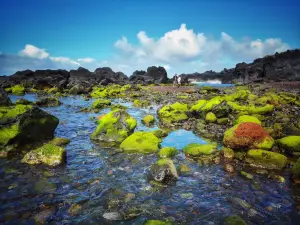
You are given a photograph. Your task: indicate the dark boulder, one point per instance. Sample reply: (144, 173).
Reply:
(4, 99)
(153, 75)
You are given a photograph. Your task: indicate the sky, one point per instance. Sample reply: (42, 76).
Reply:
(184, 36)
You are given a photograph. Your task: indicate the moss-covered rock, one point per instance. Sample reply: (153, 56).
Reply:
(18, 90)
(53, 90)
(60, 141)
(118, 106)
(167, 152)
(160, 133)
(234, 220)
(111, 91)
(227, 153)
(223, 121)
(247, 175)
(174, 113)
(198, 105)
(100, 104)
(290, 144)
(23, 101)
(4, 99)
(148, 120)
(140, 142)
(222, 109)
(164, 171)
(48, 154)
(246, 136)
(156, 222)
(210, 117)
(141, 103)
(184, 169)
(114, 127)
(210, 104)
(196, 150)
(251, 109)
(48, 102)
(296, 169)
(21, 125)
(266, 159)
(246, 118)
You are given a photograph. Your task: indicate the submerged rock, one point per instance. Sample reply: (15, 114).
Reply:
(114, 127)
(174, 113)
(160, 133)
(60, 141)
(148, 120)
(43, 216)
(164, 171)
(4, 99)
(140, 142)
(246, 136)
(266, 159)
(23, 101)
(21, 125)
(100, 104)
(247, 175)
(234, 220)
(141, 103)
(113, 216)
(48, 102)
(167, 152)
(227, 153)
(156, 222)
(48, 154)
(296, 170)
(290, 144)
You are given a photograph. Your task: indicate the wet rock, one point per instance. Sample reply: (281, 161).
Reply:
(163, 171)
(141, 103)
(148, 120)
(48, 102)
(229, 168)
(290, 144)
(113, 216)
(278, 178)
(247, 175)
(246, 136)
(140, 142)
(156, 222)
(60, 141)
(114, 127)
(48, 154)
(228, 153)
(21, 125)
(167, 152)
(100, 104)
(43, 216)
(174, 113)
(234, 220)
(187, 195)
(296, 169)
(74, 209)
(4, 99)
(240, 155)
(221, 110)
(184, 169)
(24, 101)
(77, 89)
(196, 150)
(266, 159)
(160, 133)
(223, 121)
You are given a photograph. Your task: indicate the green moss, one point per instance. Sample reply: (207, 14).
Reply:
(148, 120)
(8, 90)
(7, 133)
(18, 90)
(160, 133)
(222, 121)
(173, 113)
(53, 90)
(140, 104)
(234, 220)
(183, 168)
(210, 117)
(266, 159)
(247, 175)
(140, 142)
(100, 104)
(182, 96)
(296, 169)
(156, 222)
(48, 154)
(48, 102)
(246, 118)
(110, 91)
(198, 105)
(60, 141)
(228, 153)
(118, 106)
(10, 113)
(195, 150)
(211, 103)
(23, 101)
(114, 126)
(167, 152)
(239, 95)
(290, 143)
(250, 109)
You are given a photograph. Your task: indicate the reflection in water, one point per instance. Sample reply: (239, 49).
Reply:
(97, 183)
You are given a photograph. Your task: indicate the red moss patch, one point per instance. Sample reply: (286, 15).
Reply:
(251, 130)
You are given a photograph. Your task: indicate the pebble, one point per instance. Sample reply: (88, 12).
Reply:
(229, 168)
(113, 216)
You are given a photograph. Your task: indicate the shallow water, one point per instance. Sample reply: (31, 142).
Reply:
(99, 180)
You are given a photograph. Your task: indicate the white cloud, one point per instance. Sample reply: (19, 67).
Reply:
(34, 52)
(64, 60)
(86, 60)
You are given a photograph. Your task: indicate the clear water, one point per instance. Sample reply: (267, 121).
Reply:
(93, 177)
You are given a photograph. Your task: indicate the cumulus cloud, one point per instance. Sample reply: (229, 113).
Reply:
(34, 52)
(180, 50)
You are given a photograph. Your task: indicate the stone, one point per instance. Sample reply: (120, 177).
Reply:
(246, 136)
(4, 99)
(156, 222)
(148, 120)
(18, 90)
(60, 141)
(234, 220)
(266, 159)
(167, 152)
(140, 142)
(210, 117)
(227, 153)
(229, 168)
(290, 144)
(48, 154)
(23, 101)
(296, 169)
(246, 118)
(164, 171)
(174, 113)
(100, 104)
(196, 150)
(114, 127)
(48, 102)
(247, 175)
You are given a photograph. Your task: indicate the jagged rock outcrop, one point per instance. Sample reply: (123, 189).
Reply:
(154, 74)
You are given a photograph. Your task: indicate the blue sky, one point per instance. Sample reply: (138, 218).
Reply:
(183, 36)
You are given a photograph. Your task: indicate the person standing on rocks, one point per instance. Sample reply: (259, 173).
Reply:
(175, 80)
(178, 81)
